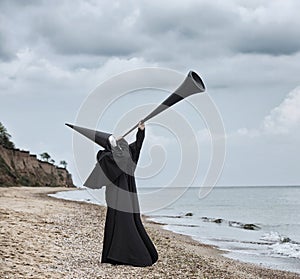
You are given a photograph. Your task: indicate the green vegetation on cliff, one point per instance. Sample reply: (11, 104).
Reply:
(5, 138)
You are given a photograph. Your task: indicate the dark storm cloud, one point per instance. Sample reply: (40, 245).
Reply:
(190, 21)
(87, 41)
(87, 27)
(273, 41)
(205, 28)
(185, 32)
(173, 31)
(88, 34)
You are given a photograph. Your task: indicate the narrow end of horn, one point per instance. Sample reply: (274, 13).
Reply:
(69, 125)
(197, 80)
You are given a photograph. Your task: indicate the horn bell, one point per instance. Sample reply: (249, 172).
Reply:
(192, 84)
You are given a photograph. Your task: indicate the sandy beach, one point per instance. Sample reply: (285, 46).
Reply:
(44, 237)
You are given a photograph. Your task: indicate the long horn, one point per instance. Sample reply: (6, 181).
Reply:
(191, 85)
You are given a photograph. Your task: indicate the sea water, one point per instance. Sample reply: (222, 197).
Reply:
(252, 224)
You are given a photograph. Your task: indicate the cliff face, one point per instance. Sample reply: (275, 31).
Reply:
(18, 167)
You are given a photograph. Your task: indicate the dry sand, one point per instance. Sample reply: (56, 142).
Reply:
(44, 237)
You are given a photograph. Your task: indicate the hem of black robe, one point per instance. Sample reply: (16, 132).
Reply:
(112, 261)
(145, 237)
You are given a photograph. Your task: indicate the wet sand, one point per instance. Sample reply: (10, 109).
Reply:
(44, 237)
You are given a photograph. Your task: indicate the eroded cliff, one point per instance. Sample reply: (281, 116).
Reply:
(18, 167)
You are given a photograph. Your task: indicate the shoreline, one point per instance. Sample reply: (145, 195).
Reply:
(47, 237)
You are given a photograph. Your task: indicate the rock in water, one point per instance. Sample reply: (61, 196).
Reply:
(250, 227)
(189, 214)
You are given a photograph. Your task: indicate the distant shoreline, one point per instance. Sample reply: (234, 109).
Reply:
(43, 236)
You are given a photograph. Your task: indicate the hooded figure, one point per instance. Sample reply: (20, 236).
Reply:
(125, 238)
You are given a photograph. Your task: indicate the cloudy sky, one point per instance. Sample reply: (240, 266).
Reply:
(54, 53)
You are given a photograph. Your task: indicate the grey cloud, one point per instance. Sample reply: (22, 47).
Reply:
(193, 31)
(87, 27)
(63, 49)
(196, 30)
(103, 32)
(206, 29)
(272, 39)
(66, 43)
(14, 20)
(5, 53)
(17, 3)
(189, 21)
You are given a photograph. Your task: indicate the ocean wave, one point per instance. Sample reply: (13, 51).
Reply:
(274, 237)
(281, 245)
(288, 249)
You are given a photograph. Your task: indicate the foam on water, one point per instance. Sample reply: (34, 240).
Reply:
(291, 250)
(281, 245)
(275, 237)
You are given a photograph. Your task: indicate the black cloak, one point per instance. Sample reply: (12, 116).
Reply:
(125, 238)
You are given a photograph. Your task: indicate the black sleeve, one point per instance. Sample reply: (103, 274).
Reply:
(105, 172)
(136, 146)
(97, 179)
(110, 169)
